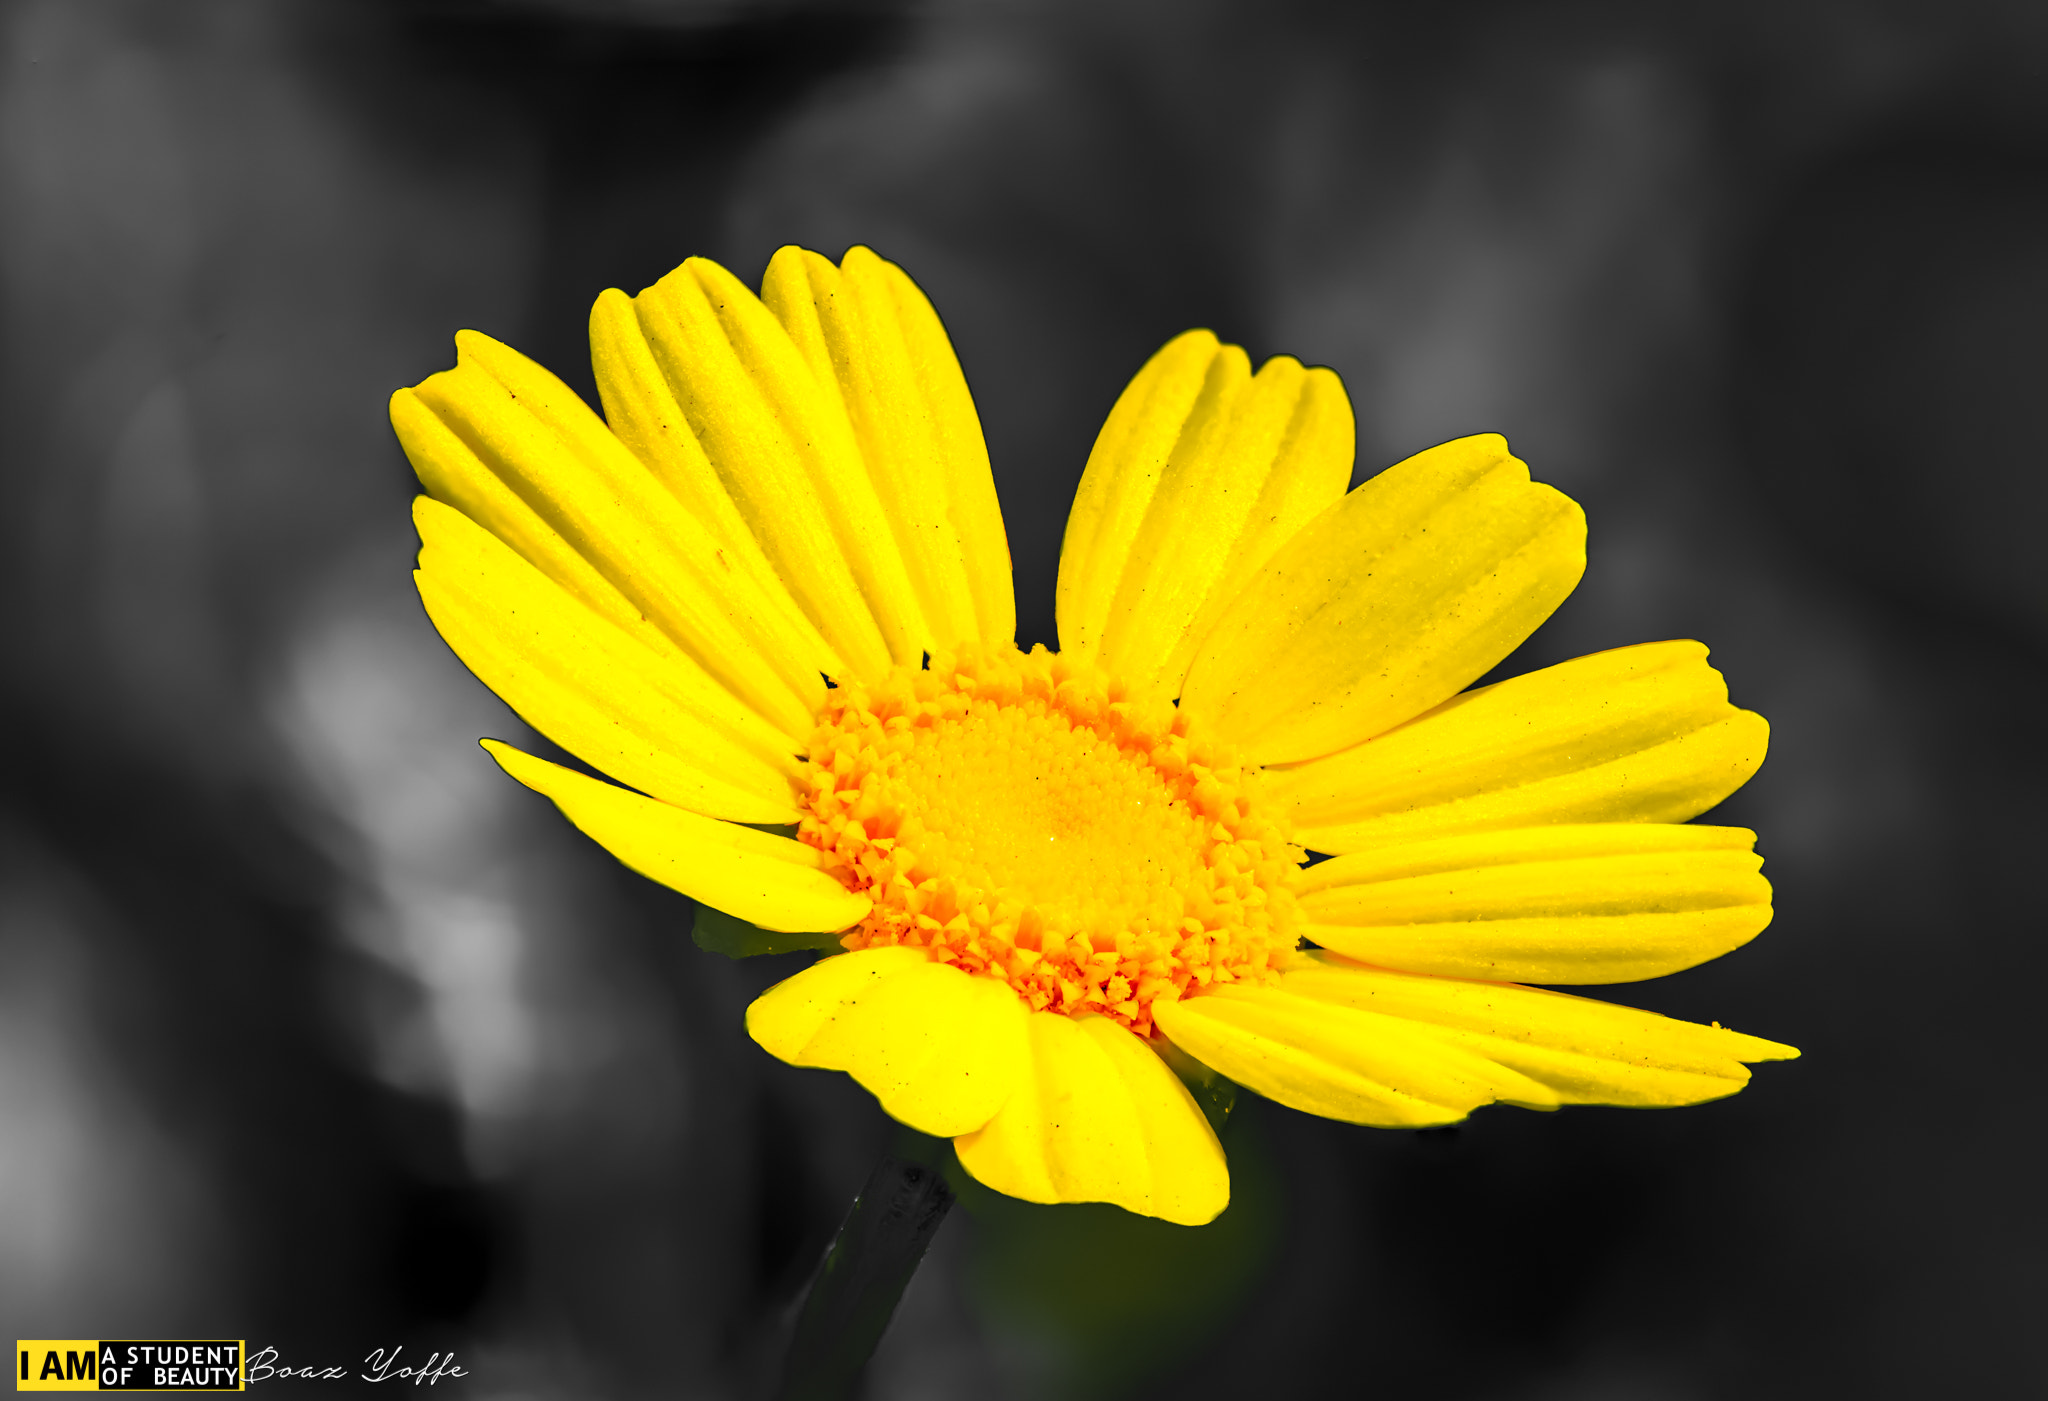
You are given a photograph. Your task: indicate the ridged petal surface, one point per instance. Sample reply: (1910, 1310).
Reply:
(1122, 476)
(1341, 1062)
(1202, 472)
(1610, 903)
(512, 447)
(1578, 1051)
(1638, 734)
(642, 411)
(1387, 604)
(779, 442)
(652, 720)
(1098, 1117)
(763, 878)
(940, 1049)
(453, 473)
(870, 336)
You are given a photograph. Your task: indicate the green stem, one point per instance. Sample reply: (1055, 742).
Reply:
(864, 1275)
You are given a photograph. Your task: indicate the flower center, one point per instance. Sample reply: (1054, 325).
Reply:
(1025, 817)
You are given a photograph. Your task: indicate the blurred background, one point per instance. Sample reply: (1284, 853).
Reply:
(316, 1030)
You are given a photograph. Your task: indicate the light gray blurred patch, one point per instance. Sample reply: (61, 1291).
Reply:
(385, 725)
(103, 1215)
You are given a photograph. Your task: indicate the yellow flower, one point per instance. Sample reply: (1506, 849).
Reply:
(1057, 872)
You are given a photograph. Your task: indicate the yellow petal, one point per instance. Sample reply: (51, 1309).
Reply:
(1098, 1117)
(1638, 734)
(643, 412)
(510, 419)
(782, 448)
(1310, 470)
(654, 721)
(1388, 603)
(1586, 1052)
(453, 473)
(785, 1018)
(763, 878)
(941, 1049)
(1255, 462)
(1339, 1061)
(1573, 904)
(1123, 473)
(870, 336)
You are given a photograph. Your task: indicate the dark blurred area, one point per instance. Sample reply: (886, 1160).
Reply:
(316, 1030)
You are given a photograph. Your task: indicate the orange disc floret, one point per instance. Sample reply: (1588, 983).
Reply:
(1026, 817)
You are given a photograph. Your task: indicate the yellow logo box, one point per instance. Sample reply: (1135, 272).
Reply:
(129, 1364)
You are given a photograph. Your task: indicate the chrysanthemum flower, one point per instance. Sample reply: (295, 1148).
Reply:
(771, 588)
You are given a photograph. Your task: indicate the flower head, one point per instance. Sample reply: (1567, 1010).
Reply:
(771, 588)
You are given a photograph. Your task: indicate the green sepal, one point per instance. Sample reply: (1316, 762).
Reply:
(715, 931)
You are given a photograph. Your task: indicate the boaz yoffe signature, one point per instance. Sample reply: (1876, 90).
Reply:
(381, 1365)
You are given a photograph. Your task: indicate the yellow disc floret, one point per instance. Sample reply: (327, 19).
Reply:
(1025, 817)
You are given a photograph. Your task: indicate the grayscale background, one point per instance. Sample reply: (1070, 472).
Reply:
(316, 1030)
